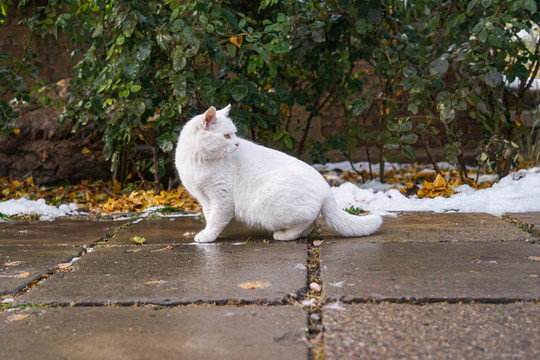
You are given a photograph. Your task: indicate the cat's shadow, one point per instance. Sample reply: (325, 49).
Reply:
(235, 232)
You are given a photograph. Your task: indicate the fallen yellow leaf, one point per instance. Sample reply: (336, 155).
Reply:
(250, 285)
(65, 266)
(138, 239)
(17, 317)
(22, 276)
(439, 181)
(154, 282)
(13, 263)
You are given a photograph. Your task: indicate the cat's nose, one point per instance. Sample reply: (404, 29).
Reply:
(236, 144)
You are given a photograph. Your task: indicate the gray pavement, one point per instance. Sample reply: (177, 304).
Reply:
(426, 286)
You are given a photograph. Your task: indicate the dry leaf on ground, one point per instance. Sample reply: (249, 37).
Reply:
(250, 285)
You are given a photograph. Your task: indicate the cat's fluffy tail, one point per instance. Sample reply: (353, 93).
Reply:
(347, 224)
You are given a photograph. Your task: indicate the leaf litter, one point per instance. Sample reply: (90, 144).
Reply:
(411, 181)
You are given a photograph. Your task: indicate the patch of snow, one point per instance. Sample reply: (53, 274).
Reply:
(487, 178)
(155, 211)
(334, 306)
(39, 207)
(310, 302)
(518, 192)
(535, 86)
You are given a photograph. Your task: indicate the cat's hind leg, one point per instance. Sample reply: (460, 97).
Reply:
(299, 230)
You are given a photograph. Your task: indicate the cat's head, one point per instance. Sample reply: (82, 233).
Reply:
(213, 134)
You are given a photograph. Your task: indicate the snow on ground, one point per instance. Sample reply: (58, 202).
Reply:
(517, 192)
(25, 206)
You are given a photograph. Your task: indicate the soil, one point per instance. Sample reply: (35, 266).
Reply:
(48, 152)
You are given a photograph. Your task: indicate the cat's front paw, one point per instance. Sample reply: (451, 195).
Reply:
(205, 237)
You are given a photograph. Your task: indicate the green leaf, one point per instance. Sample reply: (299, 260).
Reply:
(408, 138)
(438, 67)
(471, 5)
(138, 107)
(413, 108)
(420, 128)
(166, 146)
(391, 143)
(493, 78)
(98, 30)
(318, 36)
(131, 68)
(409, 71)
(448, 114)
(252, 66)
(238, 92)
(393, 126)
(288, 142)
(408, 153)
(477, 28)
(482, 35)
(179, 63)
(221, 58)
(530, 5)
(135, 88)
(144, 51)
(281, 18)
(459, 104)
(405, 126)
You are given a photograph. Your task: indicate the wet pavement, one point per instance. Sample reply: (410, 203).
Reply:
(425, 286)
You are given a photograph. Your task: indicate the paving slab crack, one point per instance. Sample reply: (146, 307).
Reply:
(525, 226)
(432, 300)
(314, 300)
(66, 265)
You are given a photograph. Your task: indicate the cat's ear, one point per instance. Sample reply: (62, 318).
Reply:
(209, 118)
(226, 110)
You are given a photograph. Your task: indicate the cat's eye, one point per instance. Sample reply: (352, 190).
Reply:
(227, 136)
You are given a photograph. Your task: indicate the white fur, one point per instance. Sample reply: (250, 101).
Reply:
(261, 187)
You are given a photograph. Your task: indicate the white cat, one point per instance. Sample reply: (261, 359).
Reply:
(261, 187)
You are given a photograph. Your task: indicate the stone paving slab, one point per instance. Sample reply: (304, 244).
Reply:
(178, 275)
(364, 271)
(224, 332)
(531, 218)
(436, 227)
(21, 265)
(57, 232)
(435, 331)
(182, 230)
